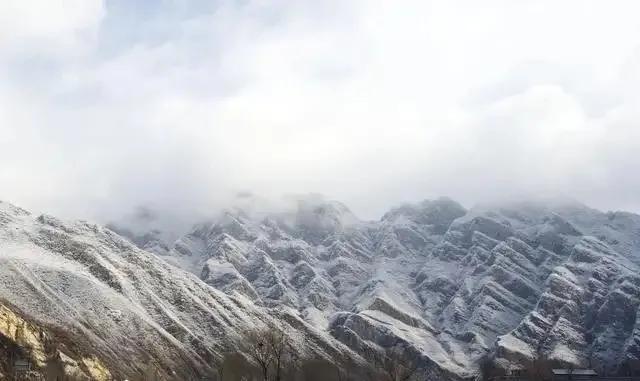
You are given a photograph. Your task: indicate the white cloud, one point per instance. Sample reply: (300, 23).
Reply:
(370, 102)
(47, 25)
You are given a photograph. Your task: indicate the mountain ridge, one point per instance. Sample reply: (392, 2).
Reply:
(451, 286)
(454, 284)
(78, 297)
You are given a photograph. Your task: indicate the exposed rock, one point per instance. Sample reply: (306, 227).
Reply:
(522, 280)
(81, 299)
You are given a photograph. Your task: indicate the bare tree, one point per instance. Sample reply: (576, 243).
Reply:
(258, 350)
(279, 345)
(271, 350)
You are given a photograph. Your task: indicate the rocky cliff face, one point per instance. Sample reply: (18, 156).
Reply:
(552, 279)
(78, 297)
(517, 281)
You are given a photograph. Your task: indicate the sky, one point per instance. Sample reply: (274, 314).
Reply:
(110, 107)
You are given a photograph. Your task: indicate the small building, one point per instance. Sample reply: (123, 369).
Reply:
(574, 374)
(21, 368)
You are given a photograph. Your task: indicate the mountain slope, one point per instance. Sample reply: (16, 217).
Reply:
(101, 308)
(552, 279)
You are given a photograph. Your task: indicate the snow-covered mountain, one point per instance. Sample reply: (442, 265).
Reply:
(517, 281)
(79, 298)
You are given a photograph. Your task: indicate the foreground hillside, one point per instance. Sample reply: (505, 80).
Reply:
(514, 282)
(78, 300)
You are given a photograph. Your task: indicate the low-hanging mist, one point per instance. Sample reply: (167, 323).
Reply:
(106, 107)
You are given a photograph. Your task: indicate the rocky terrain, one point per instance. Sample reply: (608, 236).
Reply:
(518, 281)
(80, 301)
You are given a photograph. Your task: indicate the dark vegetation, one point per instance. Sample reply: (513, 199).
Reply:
(269, 355)
(541, 368)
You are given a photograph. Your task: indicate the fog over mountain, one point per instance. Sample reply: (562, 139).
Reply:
(109, 106)
(443, 185)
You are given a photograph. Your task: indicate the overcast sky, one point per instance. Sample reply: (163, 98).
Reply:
(178, 105)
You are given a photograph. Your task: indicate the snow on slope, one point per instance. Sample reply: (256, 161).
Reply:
(107, 303)
(546, 278)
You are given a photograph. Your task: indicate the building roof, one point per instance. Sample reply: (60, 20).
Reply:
(578, 372)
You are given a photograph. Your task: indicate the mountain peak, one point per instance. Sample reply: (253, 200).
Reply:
(454, 278)
(439, 213)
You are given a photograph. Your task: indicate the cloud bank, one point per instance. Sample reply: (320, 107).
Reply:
(180, 105)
